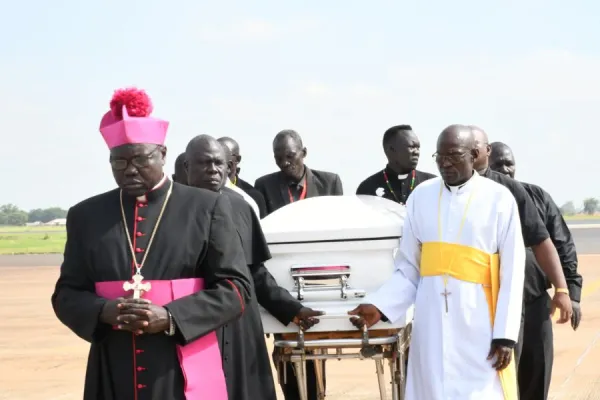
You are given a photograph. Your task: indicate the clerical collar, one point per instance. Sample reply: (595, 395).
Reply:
(154, 191)
(465, 186)
(393, 174)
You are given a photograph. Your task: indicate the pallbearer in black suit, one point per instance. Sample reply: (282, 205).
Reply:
(535, 233)
(536, 346)
(152, 335)
(400, 176)
(294, 181)
(180, 176)
(234, 175)
(245, 357)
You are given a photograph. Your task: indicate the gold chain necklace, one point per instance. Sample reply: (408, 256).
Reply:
(138, 267)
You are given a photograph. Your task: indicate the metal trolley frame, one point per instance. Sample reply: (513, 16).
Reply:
(378, 345)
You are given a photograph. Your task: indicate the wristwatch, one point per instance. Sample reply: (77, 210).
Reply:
(171, 331)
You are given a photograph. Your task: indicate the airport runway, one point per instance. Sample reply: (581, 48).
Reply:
(587, 240)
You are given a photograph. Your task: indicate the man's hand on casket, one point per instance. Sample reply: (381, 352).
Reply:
(367, 315)
(305, 318)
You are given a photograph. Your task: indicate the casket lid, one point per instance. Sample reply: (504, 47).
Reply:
(329, 218)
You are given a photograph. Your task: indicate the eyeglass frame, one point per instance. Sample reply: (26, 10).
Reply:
(141, 161)
(440, 158)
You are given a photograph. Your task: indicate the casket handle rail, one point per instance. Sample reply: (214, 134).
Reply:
(310, 278)
(367, 350)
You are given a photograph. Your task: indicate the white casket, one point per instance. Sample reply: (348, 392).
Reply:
(330, 252)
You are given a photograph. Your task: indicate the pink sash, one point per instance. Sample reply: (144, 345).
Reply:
(200, 360)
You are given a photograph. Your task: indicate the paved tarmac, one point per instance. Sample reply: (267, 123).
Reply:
(40, 358)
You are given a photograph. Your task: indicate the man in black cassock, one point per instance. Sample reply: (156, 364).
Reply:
(234, 175)
(294, 181)
(536, 347)
(245, 356)
(166, 232)
(400, 176)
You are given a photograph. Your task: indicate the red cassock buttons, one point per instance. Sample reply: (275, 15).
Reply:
(139, 351)
(138, 234)
(140, 386)
(141, 369)
(140, 218)
(138, 250)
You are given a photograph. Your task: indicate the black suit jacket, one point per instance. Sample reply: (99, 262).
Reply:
(255, 194)
(274, 187)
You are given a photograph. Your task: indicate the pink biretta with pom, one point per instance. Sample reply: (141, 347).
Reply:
(129, 120)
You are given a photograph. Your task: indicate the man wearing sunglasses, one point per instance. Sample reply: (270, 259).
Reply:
(150, 271)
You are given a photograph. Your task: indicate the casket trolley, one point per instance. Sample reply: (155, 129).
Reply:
(330, 252)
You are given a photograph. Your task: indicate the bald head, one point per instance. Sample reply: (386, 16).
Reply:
(206, 161)
(180, 175)
(483, 145)
(455, 154)
(458, 135)
(234, 155)
(502, 159)
(233, 146)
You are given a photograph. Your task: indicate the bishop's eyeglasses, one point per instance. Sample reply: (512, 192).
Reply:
(141, 161)
(452, 158)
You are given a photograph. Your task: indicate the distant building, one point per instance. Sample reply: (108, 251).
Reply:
(57, 222)
(36, 223)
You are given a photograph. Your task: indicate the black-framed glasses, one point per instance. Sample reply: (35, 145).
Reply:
(142, 161)
(452, 158)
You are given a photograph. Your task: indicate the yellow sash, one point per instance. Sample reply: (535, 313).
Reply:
(471, 265)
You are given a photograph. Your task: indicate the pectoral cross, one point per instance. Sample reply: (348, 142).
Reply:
(446, 294)
(137, 286)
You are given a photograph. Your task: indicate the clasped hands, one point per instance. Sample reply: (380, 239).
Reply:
(138, 316)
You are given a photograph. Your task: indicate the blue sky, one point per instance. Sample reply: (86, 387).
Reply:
(339, 72)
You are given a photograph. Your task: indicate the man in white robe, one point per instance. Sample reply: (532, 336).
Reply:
(461, 262)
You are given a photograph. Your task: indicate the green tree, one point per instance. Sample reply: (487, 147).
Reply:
(36, 215)
(590, 205)
(47, 214)
(12, 215)
(568, 208)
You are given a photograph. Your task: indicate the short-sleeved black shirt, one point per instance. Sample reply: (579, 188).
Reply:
(534, 230)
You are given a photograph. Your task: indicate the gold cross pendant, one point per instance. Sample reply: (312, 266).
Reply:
(138, 286)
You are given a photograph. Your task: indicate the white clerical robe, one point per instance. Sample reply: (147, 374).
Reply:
(449, 349)
(245, 195)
